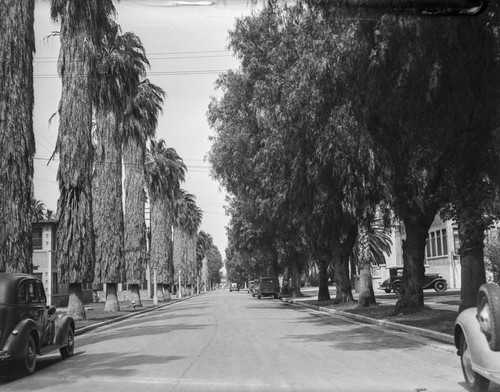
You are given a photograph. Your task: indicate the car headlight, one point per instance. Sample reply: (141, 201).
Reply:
(440, 275)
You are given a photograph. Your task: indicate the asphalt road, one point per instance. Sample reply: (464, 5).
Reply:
(224, 341)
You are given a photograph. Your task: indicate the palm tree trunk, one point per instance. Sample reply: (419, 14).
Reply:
(366, 295)
(135, 294)
(111, 304)
(134, 221)
(17, 142)
(108, 208)
(75, 231)
(75, 302)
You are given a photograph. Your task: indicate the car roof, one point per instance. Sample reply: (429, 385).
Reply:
(9, 283)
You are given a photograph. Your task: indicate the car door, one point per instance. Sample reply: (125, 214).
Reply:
(36, 307)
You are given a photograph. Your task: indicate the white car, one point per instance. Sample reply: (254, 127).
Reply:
(477, 338)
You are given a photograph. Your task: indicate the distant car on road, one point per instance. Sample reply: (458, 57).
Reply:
(234, 287)
(255, 287)
(477, 338)
(268, 286)
(393, 282)
(28, 326)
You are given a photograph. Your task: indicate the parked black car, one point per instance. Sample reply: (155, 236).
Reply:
(393, 282)
(268, 286)
(28, 326)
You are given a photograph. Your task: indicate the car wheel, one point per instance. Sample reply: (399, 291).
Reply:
(475, 382)
(440, 287)
(396, 287)
(488, 313)
(28, 363)
(68, 350)
(258, 296)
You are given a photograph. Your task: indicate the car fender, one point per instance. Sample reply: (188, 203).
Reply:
(431, 284)
(484, 361)
(61, 325)
(15, 343)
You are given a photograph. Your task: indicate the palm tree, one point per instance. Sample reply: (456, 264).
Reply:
(121, 62)
(188, 219)
(82, 23)
(17, 146)
(373, 241)
(37, 210)
(139, 126)
(165, 171)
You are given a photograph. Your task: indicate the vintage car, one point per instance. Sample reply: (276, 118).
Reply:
(28, 326)
(393, 282)
(477, 338)
(234, 287)
(268, 286)
(255, 287)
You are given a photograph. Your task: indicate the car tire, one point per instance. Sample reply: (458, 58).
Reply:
(28, 363)
(396, 287)
(68, 350)
(258, 296)
(475, 382)
(488, 313)
(440, 287)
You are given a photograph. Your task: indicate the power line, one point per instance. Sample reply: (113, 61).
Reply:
(159, 73)
(156, 53)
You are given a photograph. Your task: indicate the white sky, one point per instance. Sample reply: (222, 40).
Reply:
(186, 47)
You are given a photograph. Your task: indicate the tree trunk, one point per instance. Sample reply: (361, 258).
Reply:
(160, 294)
(135, 248)
(323, 291)
(75, 302)
(135, 294)
(341, 253)
(295, 276)
(112, 304)
(17, 142)
(471, 236)
(412, 295)
(366, 295)
(108, 205)
(75, 231)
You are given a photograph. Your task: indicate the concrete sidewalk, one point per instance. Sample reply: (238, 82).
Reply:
(312, 292)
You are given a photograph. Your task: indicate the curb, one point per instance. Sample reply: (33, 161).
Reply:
(81, 331)
(438, 336)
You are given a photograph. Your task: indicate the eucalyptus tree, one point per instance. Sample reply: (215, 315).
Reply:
(315, 153)
(165, 170)
(432, 113)
(120, 64)
(214, 265)
(81, 27)
(17, 141)
(138, 126)
(187, 221)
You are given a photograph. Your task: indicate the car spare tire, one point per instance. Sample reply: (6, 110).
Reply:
(488, 313)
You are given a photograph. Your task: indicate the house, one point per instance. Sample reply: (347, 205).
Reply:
(45, 264)
(441, 252)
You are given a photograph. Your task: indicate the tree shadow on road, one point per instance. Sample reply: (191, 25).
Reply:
(353, 336)
(84, 365)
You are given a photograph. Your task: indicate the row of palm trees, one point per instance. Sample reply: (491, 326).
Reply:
(108, 116)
